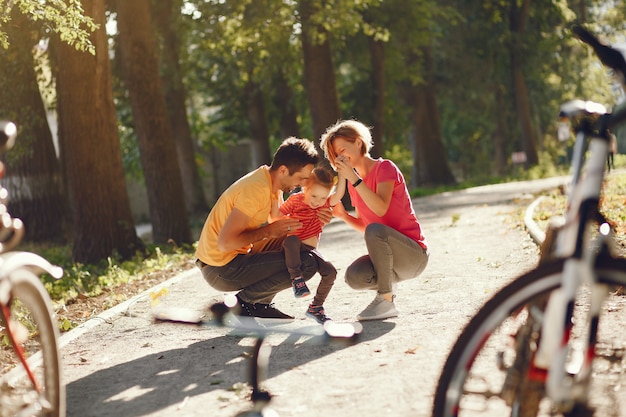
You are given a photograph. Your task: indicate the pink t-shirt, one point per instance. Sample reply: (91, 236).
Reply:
(296, 207)
(400, 214)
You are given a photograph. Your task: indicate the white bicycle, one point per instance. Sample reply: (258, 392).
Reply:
(531, 348)
(30, 372)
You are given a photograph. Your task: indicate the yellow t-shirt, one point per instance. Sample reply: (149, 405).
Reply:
(252, 195)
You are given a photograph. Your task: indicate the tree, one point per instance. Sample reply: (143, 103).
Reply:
(284, 100)
(480, 78)
(319, 70)
(255, 114)
(62, 17)
(412, 39)
(241, 57)
(154, 133)
(35, 185)
(431, 163)
(89, 143)
(34, 180)
(167, 16)
(518, 14)
(379, 88)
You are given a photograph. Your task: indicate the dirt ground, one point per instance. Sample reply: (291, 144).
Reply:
(124, 364)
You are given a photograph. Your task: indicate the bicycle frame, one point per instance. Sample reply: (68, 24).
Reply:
(523, 345)
(569, 371)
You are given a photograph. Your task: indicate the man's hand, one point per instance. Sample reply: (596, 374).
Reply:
(283, 226)
(235, 234)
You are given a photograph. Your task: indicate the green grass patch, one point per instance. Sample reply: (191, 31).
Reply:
(612, 205)
(92, 280)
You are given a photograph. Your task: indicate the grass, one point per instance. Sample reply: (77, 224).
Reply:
(612, 205)
(92, 280)
(87, 290)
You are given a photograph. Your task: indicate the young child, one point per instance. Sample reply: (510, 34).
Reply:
(315, 194)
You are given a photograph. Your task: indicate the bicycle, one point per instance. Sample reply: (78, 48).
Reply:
(529, 350)
(26, 320)
(224, 314)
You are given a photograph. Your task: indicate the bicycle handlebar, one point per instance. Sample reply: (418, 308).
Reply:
(608, 55)
(593, 117)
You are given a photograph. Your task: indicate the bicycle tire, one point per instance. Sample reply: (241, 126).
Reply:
(30, 292)
(472, 346)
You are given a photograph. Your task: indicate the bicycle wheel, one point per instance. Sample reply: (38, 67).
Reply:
(488, 371)
(31, 314)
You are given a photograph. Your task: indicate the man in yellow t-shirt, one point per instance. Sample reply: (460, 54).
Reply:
(234, 246)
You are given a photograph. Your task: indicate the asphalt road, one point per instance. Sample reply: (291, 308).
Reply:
(124, 364)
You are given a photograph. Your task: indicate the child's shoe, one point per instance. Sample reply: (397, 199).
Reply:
(299, 287)
(317, 313)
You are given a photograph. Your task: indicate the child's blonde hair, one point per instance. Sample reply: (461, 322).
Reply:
(321, 176)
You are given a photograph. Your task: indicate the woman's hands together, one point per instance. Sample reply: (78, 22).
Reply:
(345, 170)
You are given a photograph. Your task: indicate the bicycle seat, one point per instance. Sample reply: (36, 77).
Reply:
(577, 108)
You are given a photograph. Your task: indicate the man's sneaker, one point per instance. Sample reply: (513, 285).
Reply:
(317, 313)
(246, 309)
(378, 309)
(260, 310)
(268, 311)
(299, 287)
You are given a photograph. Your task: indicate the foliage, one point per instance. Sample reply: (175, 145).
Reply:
(402, 157)
(611, 204)
(81, 280)
(234, 44)
(228, 45)
(64, 17)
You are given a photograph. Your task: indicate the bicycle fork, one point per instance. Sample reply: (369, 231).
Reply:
(17, 347)
(569, 367)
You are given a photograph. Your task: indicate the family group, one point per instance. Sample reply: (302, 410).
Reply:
(258, 243)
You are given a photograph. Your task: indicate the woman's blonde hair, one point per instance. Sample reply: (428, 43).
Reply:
(349, 130)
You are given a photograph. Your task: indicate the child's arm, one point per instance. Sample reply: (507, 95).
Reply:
(340, 190)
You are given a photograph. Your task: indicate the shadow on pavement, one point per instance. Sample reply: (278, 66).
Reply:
(157, 381)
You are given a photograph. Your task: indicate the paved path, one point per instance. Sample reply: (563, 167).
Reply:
(125, 365)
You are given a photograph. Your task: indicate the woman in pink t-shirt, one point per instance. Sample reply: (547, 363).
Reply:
(397, 249)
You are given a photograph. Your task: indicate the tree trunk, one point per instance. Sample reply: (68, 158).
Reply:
(431, 162)
(34, 177)
(154, 133)
(517, 22)
(319, 73)
(284, 102)
(166, 14)
(103, 224)
(377, 54)
(259, 133)
(580, 10)
(499, 134)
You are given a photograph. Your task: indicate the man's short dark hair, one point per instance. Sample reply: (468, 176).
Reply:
(295, 153)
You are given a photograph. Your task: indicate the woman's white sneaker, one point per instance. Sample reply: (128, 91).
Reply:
(379, 309)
